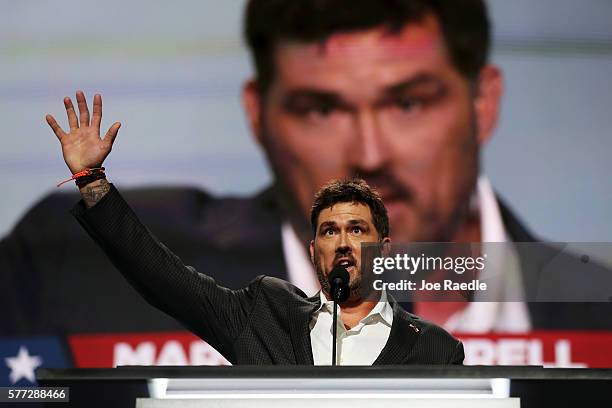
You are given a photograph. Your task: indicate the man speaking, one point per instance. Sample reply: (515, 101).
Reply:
(270, 321)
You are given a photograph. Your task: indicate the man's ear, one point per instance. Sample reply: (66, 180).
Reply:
(252, 104)
(487, 101)
(312, 251)
(385, 248)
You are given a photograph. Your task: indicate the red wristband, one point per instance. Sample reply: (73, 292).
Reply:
(86, 176)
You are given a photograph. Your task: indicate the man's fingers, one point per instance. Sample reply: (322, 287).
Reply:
(83, 109)
(72, 118)
(56, 128)
(112, 133)
(96, 119)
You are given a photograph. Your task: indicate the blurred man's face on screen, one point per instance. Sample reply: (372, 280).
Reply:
(390, 108)
(341, 229)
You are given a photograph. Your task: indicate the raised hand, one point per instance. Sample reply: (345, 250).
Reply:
(83, 147)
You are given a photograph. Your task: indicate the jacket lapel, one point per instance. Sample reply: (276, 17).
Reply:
(404, 333)
(514, 227)
(300, 313)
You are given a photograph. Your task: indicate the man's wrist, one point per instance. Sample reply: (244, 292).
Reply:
(93, 192)
(88, 175)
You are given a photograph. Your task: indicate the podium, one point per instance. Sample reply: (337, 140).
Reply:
(352, 403)
(358, 387)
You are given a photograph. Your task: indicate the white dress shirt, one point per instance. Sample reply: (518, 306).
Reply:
(299, 268)
(503, 316)
(360, 345)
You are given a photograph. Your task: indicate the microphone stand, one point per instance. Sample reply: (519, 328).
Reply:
(338, 280)
(335, 331)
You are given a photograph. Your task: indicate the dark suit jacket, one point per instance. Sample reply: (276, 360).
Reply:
(572, 274)
(266, 322)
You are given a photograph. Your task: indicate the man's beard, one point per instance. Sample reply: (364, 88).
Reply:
(354, 282)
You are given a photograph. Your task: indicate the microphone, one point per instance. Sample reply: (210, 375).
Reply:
(339, 287)
(339, 284)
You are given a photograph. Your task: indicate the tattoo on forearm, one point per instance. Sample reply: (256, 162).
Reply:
(92, 195)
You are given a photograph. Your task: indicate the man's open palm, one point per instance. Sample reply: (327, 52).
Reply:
(82, 147)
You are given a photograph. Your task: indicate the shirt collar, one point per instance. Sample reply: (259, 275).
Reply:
(300, 271)
(382, 308)
(491, 222)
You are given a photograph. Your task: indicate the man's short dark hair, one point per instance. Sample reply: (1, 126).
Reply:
(354, 190)
(465, 25)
